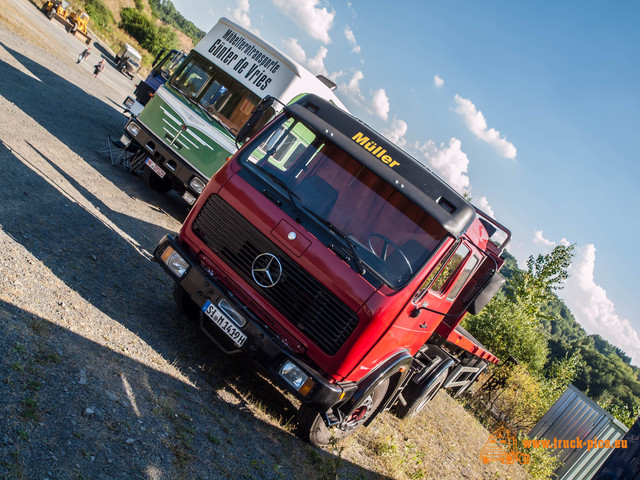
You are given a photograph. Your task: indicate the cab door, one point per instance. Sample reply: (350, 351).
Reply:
(442, 286)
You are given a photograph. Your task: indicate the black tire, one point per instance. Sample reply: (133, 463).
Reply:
(51, 13)
(417, 396)
(186, 306)
(74, 29)
(312, 428)
(154, 182)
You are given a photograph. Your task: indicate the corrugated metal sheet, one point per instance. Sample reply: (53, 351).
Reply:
(572, 416)
(623, 464)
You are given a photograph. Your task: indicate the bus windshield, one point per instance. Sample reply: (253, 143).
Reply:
(389, 234)
(220, 95)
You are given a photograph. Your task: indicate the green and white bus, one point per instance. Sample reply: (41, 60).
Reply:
(188, 129)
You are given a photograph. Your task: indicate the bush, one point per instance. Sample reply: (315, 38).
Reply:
(99, 13)
(542, 464)
(144, 30)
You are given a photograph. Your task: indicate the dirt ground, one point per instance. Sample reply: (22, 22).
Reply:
(100, 378)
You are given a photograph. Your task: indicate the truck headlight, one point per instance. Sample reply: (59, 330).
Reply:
(129, 102)
(296, 377)
(133, 128)
(197, 185)
(174, 261)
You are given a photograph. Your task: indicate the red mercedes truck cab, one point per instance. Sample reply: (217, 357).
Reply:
(341, 265)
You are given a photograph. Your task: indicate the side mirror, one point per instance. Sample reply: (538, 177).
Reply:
(486, 292)
(254, 119)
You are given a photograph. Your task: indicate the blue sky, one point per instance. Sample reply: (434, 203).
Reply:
(531, 107)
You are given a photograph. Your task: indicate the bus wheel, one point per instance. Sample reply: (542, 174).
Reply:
(312, 428)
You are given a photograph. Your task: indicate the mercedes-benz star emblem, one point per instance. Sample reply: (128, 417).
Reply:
(266, 270)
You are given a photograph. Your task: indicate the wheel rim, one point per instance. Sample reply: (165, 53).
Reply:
(431, 391)
(360, 414)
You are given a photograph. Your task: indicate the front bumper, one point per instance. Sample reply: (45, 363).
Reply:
(177, 170)
(261, 344)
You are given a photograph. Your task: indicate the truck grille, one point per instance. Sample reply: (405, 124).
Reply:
(299, 297)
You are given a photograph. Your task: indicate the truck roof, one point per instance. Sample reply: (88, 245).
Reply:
(393, 165)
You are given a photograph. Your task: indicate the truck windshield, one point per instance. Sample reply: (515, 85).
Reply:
(391, 236)
(221, 96)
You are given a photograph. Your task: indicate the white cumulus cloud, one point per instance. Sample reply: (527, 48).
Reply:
(241, 14)
(475, 121)
(483, 204)
(315, 64)
(546, 243)
(308, 15)
(437, 81)
(352, 89)
(351, 38)
(590, 305)
(397, 131)
(449, 161)
(380, 103)
(538, 238)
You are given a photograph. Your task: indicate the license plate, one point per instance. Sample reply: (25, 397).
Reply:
(152, 165)
(226, 325)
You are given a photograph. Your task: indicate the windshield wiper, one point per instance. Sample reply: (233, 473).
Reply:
(330, 226)
(344, 236)
(215, 119)
(184, 94)
(203, 109)
(281, 183)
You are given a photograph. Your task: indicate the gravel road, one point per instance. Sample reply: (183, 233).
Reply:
(100, 377)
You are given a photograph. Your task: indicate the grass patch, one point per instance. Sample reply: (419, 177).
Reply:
(17, 367)
(40, 326)
(327, 466)
(31, 409)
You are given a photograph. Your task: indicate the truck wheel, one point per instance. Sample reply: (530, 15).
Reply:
(154, 182)
(312, 428)
(186, 306)
(417, 396)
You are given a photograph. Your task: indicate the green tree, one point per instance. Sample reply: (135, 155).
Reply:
(512, 323)
(99, 13)
(144, 30)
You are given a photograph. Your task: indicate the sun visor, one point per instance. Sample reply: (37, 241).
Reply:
(393, 165)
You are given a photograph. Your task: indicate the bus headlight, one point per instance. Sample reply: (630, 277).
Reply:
(197, 185)
(133, 128)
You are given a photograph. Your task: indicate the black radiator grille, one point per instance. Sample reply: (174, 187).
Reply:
(303, 300)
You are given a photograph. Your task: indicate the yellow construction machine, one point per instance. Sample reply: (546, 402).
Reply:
(74, 22)
(59, 9)
(79, 21)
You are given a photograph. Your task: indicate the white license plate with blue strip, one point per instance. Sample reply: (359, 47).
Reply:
(224, 323)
